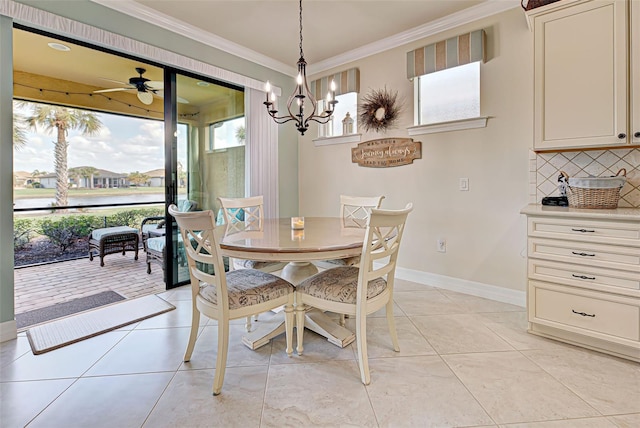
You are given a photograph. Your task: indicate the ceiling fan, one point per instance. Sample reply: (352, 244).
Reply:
(145, 88)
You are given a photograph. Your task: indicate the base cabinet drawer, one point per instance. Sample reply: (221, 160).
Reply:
(615, 281)
(605, 232)
(599, 255)
(584, 310)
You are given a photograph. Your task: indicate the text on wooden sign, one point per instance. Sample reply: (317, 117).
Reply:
(386, 152)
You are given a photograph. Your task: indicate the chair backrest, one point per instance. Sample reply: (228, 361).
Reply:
(382, 242)
(355, 210)
(197, 229)
(249, 210)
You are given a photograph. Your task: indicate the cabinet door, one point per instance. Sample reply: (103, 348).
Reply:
(635, 71)
(581, 76)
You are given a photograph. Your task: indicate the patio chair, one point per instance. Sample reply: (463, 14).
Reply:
(154, 226)
(153, 231)
(226, 296)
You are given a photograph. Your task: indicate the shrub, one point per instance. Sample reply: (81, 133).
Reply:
(132, 218)
(64, 231)
(22, 229)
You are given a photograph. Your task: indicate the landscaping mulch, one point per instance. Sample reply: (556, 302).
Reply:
(41, 250)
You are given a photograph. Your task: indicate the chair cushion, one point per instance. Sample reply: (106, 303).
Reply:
(151, 226)
(98, 234)
(256, 264)
(339, 285)
(186, 205)
(349, 261)
(247, 287)
(157, 243)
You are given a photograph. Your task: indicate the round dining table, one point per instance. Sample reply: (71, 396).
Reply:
(321, 238)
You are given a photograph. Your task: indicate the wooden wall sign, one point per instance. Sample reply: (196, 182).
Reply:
(386, 152)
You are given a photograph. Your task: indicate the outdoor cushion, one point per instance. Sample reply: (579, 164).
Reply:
(339, 285)
(150, 226)
(248, 287)
(156, 244)
(186, 205)
(98, 234)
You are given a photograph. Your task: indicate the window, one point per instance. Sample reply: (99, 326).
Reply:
(227, 133)
(347, 103)
(448, 95)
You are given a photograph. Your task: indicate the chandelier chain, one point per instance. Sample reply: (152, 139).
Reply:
(296, 103)
(301, 53)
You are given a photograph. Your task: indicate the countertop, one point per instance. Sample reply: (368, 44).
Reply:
(624, 214)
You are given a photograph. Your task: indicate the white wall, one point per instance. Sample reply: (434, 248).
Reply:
(484, 231)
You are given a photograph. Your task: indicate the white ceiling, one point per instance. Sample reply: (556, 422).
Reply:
(267, 31)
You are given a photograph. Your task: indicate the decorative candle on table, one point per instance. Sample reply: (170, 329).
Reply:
(297, 223)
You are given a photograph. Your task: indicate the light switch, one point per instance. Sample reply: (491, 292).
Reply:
(464, 184)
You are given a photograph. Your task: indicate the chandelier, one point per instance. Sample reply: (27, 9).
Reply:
(296, 102)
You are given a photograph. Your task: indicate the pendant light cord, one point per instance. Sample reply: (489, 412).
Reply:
(301, 53)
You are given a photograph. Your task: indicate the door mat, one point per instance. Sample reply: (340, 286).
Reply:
(56, 334)
(60, 310)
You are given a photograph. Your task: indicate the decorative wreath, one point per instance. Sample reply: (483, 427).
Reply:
(379, 110)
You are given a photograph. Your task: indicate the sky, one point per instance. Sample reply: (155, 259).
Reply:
(123, 145)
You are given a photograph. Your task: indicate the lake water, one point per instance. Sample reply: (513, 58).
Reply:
(89, 200)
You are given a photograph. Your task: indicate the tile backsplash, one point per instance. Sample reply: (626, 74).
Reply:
(544, 169)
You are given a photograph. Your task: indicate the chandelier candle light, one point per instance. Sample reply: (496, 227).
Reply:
(300, 94)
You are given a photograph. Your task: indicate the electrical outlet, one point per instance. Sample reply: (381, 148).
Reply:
(464, 184)
(442, 245)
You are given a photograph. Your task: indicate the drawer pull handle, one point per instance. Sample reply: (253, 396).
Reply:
(583, 230)
(583, 254)
(582, 276)
(584, 314)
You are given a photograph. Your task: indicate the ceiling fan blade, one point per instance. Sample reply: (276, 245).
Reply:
(155, 84)
(145, 97)
(116, 81)
(112, 90)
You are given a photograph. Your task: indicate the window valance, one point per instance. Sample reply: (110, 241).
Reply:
(459, 50)
(346, 81)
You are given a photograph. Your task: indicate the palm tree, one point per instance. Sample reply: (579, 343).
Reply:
(62, 119)
(19, 130)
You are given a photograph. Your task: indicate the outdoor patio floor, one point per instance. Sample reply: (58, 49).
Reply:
(45, 285)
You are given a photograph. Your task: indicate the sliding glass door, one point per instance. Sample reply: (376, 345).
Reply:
(205, 146)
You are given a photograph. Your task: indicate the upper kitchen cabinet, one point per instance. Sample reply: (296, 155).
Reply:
(586, 65)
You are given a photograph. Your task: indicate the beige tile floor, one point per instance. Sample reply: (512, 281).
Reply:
(464, 362)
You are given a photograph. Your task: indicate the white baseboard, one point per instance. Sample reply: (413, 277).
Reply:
(478, 289)
(8, 331)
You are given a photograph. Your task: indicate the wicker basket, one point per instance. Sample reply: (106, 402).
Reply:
(595, 192)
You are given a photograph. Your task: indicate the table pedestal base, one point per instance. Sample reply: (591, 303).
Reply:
(315, 320)
(296, 272)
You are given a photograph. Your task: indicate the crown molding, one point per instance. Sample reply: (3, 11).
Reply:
(151, 16)
(466, 16)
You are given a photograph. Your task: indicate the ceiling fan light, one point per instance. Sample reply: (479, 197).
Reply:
(145, 97)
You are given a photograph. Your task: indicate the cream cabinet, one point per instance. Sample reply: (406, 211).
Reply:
(585, 69)
(583, 277)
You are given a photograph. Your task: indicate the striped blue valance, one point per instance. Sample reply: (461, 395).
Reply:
(459, 50)
(346, 81)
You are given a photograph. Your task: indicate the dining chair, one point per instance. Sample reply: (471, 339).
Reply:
(354, 211)
(241, 214)
(225, 296)
(359, 291)
(247, 214)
